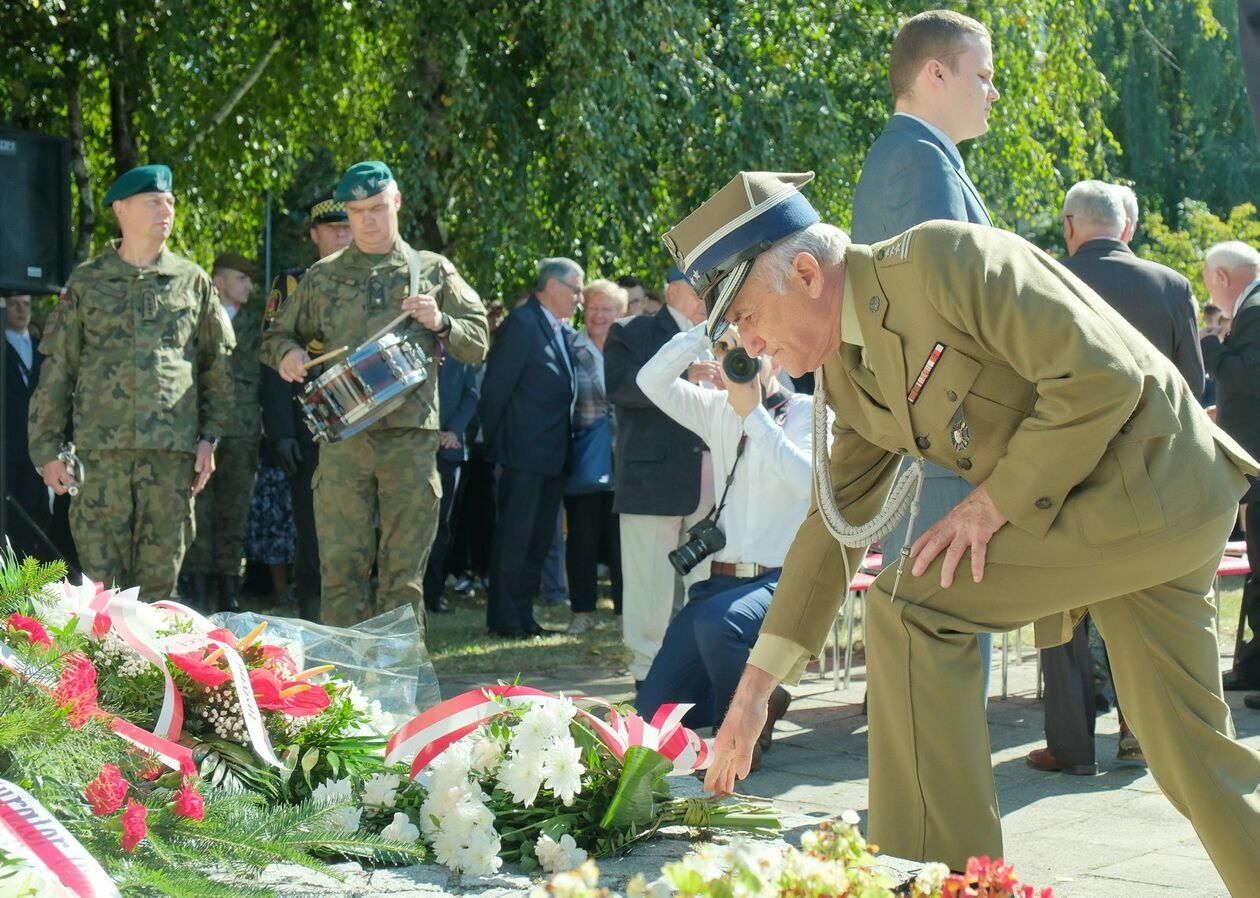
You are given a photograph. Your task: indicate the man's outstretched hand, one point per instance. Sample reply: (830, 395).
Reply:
(733, 746)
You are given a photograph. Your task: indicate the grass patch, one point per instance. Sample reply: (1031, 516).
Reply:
(459, 643)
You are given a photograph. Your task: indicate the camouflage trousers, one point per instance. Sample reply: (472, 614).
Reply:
(132, 516)
(390, 475)
(222, 508)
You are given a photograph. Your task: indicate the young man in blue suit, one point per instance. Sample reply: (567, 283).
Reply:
(941, 71)
(526, 410)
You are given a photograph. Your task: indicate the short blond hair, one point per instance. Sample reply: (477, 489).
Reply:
(936, 34)
(608, 290)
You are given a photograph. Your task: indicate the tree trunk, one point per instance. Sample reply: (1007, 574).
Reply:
(78, 163)
(122, 136)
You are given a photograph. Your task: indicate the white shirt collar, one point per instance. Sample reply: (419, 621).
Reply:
(680, 319)
(552, 319)
(18, 335)
(950, 146)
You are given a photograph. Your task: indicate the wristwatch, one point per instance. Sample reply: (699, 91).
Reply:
(208, 438)
(446, 326)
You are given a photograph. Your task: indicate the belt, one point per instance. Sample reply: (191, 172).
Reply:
(745, 570)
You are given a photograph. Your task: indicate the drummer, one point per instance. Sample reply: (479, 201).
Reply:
(390, 469)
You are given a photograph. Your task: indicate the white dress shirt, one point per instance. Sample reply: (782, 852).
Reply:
(771, 490)
(21, 343)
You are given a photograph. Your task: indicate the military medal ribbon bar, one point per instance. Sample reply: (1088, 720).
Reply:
(925, 372)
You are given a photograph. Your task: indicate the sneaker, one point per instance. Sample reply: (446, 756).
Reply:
(580, 624)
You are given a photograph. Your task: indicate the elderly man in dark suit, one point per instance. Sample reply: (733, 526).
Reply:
(526, 412)
(1159, 302)
(457, 404)
(657, 472)
(1231, 272)
(941, 69)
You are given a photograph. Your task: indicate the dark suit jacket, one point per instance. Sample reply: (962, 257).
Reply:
(1235, 363)
(1249, 43)
(1152, 297)
(909, 178)
(657, 462)
(458, 392)
(17, 402)
(527, 394)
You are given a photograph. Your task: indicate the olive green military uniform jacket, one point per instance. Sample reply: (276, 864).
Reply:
(1090, 441)
(139, 356)
(347, 297)
(245, 418)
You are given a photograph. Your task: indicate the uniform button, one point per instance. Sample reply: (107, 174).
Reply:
(1128, 426)
(951, 396)
(964, 463)
(923, 443)
(1043, 502)
(880, 255)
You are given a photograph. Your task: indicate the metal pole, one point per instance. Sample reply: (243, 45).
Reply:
(266, 285)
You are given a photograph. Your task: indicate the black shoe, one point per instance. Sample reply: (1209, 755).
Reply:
(508, 634)
(441, 606)
(533, 628)
(1240, 680)
(227, 593)
(1252, 701)
(780, 698)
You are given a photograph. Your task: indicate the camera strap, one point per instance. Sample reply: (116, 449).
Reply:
(730, 478)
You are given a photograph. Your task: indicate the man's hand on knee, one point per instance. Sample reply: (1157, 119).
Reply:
(970, 525)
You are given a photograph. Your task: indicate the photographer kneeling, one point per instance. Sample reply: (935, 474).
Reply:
(761, 438)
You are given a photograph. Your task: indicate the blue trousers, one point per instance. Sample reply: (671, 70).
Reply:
(706, 648)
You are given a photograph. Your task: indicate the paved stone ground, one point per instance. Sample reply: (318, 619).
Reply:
(1110, 836)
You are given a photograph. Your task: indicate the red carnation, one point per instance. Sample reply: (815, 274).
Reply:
(134, 826)
(76, 690)
(188, 803)
(107, 791)
(34, 630)
(194, 664)
(295, 698)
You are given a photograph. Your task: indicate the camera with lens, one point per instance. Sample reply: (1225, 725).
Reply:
(739, 367)
(706, 538)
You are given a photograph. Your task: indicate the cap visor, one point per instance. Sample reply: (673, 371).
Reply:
(719, 298)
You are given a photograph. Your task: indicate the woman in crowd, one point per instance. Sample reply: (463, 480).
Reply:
(592, 526)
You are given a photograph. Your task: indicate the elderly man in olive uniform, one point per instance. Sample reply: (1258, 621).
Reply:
(290, 444)
(214, 558)
(391, 468)
(1090, 458)
(138, 354)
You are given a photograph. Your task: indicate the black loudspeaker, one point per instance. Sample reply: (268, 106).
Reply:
(35, 250)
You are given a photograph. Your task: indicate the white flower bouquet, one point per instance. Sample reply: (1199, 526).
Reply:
(511, 773)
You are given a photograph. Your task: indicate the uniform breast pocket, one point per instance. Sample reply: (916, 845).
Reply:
(105, 318)
(177, 314)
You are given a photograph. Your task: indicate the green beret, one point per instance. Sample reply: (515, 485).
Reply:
(362, 180)
(144, 179)
(235, 262)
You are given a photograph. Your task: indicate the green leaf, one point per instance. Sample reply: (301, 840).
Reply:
(643, 772)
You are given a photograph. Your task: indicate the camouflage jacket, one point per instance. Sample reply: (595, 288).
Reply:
(245, 417)
(139, 356)
(347, 297)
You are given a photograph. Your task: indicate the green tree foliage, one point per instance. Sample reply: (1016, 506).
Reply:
(1182, 247)
(526, 129)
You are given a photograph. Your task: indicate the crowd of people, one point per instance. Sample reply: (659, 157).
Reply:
(535, 454)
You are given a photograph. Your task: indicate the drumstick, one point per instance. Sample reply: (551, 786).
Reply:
(325, 357)
(387, 328)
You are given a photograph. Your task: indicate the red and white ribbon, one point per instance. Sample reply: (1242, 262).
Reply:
(254, 725)
(430, 733)
(29, 831)
(172, 754)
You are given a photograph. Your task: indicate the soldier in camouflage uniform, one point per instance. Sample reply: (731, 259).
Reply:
(391, 468)
(213, 561)
(290, 445)
(138, 353)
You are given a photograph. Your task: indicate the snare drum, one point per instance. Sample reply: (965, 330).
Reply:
(355, 393)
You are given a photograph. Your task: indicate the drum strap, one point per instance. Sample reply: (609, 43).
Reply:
(413, 270)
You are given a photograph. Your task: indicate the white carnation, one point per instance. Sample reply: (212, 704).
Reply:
(381, 791)
(452, 766)
(333, 791)
(401, 830)
(345, 819)
(480, 856)
(558, 857)
(521, 776)
(562, 769)
(487, 752)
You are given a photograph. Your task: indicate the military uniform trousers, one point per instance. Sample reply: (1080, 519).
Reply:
(222, 507)
(306, 551)
(386, 474)
(133, 517)
(932, 793)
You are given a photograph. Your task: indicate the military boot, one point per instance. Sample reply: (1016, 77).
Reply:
(227, 593)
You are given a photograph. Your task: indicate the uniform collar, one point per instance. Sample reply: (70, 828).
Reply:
(165, 263)
(951, 148)
(355, 257)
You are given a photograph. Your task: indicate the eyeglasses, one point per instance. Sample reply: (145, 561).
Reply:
(576, 288)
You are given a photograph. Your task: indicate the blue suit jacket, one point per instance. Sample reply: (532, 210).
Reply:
(527, 394)
(458, 392)
(909, 178)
